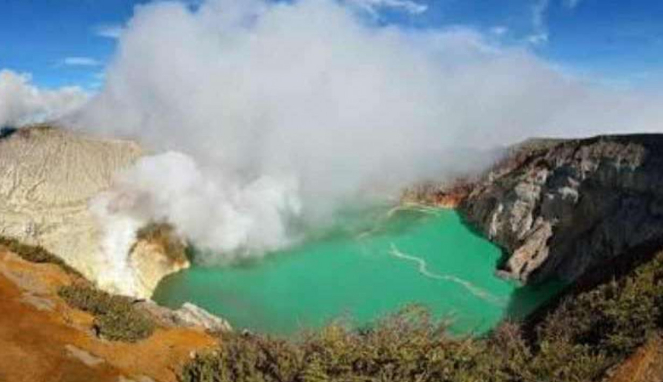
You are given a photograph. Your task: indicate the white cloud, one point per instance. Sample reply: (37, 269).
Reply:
(283, 111)
(540, 32)
(499, 30)
(80, 61)
(539, 13)
(374, 6)
(571, 4)
(538, 38)
(112, 31)
(22, 102)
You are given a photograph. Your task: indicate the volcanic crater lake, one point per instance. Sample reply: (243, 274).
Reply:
(370, 264)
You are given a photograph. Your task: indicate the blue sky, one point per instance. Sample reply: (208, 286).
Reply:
(66, 42)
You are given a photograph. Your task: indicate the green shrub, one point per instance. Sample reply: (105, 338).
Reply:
(115, 317)
(616, 316)
(405, 347)
(124, 325)
(35, 254)
(592, 331)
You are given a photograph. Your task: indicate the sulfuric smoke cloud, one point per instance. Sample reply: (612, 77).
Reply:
(274, 112)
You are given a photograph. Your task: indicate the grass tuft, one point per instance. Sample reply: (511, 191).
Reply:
(35, 254)
(115, 317)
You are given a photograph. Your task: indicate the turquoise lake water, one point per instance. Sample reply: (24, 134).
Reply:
(372, 263)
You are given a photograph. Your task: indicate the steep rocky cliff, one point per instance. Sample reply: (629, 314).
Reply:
(560, 207)
(48, 177)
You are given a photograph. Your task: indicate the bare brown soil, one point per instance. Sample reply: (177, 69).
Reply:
(43, 339)
(646, 365)
(443, 196)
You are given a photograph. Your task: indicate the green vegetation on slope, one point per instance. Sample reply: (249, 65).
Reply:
(115, 317)
(577, 341)
(35, 254)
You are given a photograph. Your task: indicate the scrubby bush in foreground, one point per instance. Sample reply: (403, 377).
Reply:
(578, 341)
(115, 317)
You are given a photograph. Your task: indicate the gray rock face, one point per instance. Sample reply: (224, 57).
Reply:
(559, 208)
(189, 315)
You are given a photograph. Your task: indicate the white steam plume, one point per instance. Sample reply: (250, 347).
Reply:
(119, 229)
(282, 110)
(22, 102)
(170, 187)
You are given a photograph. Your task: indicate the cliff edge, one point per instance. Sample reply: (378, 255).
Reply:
(561, 207)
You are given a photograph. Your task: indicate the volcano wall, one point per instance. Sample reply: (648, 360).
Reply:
(561, 207)
(47, 178)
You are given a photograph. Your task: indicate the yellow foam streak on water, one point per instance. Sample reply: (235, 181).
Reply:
(423, 269)
(405, 207)
(414, 207)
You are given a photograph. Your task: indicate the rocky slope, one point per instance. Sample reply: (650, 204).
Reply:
(561, 207)
(42, 338)
(48, 177)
